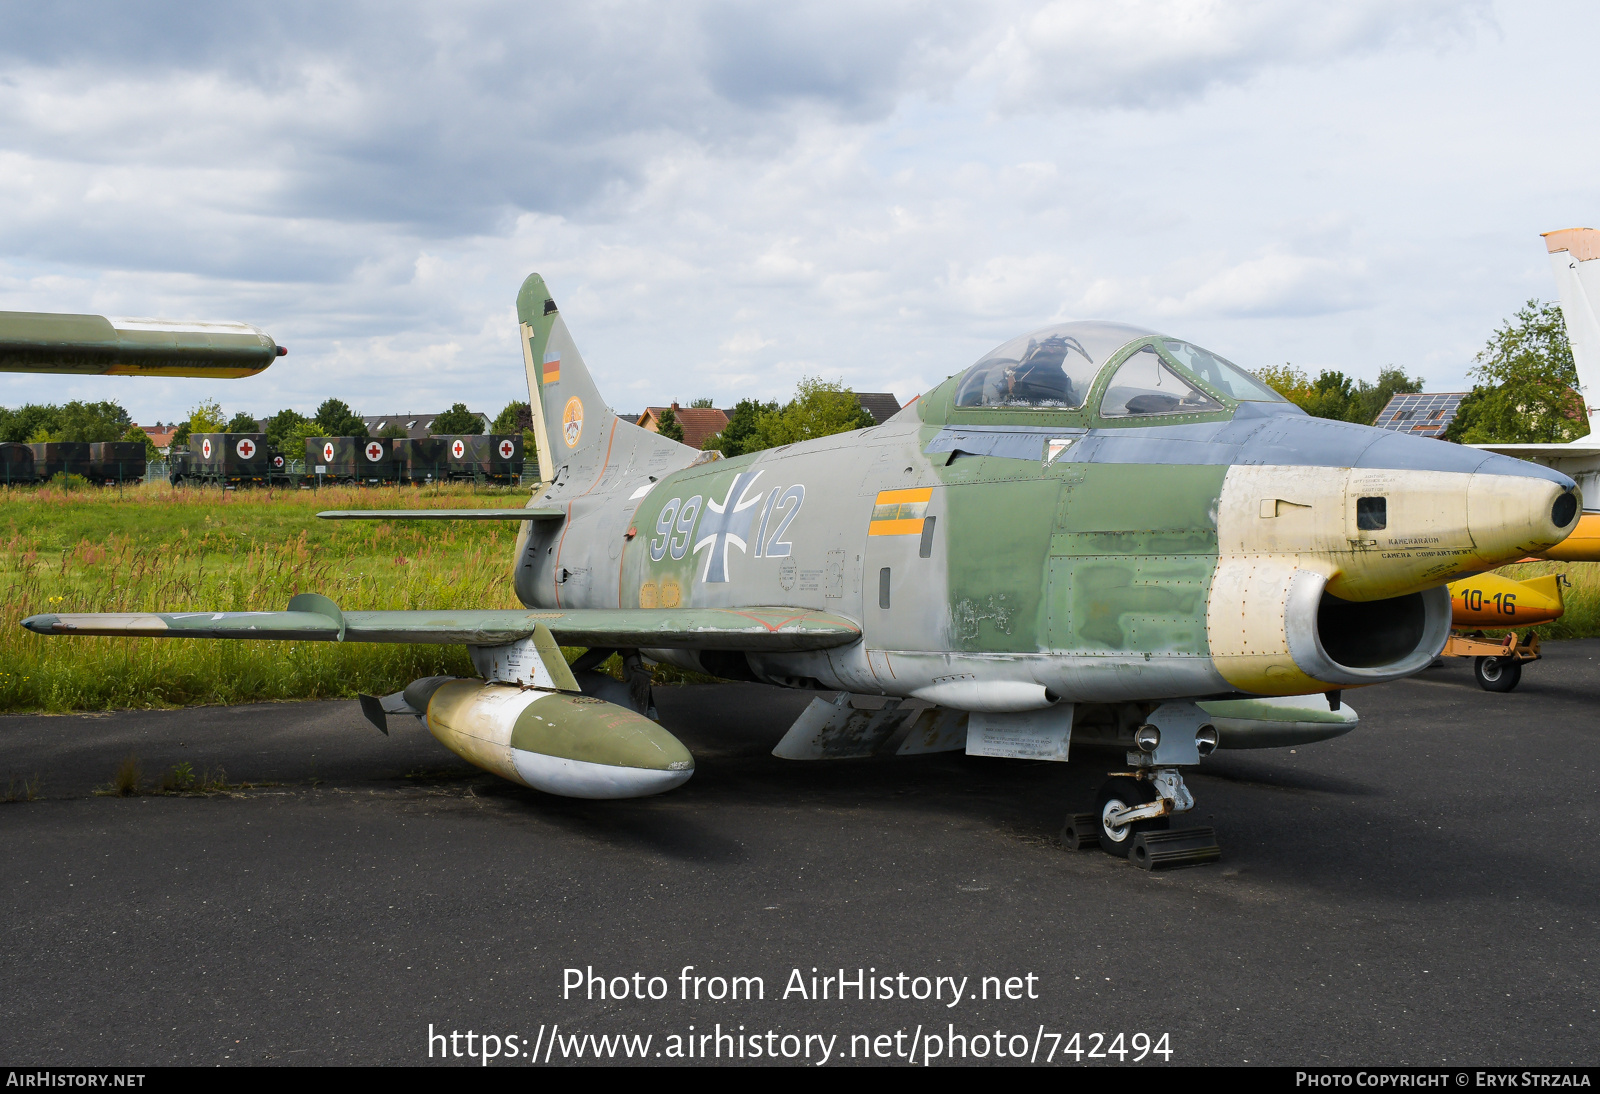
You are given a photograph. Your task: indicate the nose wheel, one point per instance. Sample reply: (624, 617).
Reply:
(1132, 820)
(1118, 797)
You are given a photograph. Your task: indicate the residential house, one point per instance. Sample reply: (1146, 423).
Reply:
(160, 435)
(416, 425)
(698, 422)
(880, 404)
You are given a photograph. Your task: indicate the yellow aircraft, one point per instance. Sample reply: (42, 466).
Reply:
(1494, 600)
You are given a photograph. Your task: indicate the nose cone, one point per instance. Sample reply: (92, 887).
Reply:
(1512, 514)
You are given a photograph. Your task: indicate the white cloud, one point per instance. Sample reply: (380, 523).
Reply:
(882, 194)
(1159, 52)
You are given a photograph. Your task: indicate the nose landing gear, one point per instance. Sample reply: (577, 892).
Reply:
(1133, 810)
(1132, 820)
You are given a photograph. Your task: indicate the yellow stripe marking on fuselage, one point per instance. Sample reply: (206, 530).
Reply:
(900, 512)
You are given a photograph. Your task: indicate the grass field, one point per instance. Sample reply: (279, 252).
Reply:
(155, 548)
(152, 548)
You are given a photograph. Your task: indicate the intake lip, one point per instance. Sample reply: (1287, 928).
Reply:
(1302, 626)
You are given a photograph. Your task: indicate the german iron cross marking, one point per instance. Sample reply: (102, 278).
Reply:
(728, 521)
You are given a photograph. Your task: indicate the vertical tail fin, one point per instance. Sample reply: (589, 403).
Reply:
(569, 416)
(1575, 260)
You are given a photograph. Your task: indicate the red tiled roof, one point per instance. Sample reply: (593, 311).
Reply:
(698, 422)
(161, 438)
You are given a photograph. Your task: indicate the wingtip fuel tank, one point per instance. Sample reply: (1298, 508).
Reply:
(576, 746)
(48, 342)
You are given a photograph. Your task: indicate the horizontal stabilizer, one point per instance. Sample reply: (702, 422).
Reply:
(95, 345)
(762, 629)
(443, 514)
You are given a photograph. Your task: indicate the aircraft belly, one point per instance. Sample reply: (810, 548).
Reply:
(964, 681)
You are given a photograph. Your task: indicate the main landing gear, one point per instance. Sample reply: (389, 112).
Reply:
(1133, 812)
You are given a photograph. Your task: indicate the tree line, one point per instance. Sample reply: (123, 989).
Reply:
(37, 423)
(1525, 390)
(819, 408)
(1525, 386)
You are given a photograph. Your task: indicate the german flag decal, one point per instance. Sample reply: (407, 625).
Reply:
(900, 512)
(552, 371)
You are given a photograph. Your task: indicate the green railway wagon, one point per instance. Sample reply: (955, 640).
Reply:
(117, 461)
(16, 463)
(423, 459)
(52, 458)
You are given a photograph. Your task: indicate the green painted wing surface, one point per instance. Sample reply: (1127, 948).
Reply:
(315, 618)
(443, 514)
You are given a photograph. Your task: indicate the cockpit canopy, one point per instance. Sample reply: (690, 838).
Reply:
(1056, 368)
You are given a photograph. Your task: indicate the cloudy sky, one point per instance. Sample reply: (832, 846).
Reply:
(725, 197)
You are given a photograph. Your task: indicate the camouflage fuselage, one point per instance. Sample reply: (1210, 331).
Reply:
(1003, 560)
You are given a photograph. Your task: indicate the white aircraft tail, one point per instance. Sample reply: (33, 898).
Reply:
(1575, 261)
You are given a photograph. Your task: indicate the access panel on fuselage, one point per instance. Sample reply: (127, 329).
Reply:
(1000, 513)
(1131, 558)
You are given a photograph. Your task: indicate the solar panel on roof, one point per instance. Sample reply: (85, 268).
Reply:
(1425, 413)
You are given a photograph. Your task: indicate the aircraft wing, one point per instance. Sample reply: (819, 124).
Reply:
(316, 618)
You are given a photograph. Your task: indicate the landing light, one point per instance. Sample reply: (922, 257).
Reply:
(1205, 739)
(1147, 737)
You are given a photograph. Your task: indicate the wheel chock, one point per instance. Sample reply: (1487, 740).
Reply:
(1173, 848)
(1081, 832)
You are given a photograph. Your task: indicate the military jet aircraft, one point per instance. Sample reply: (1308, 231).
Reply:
(95, 345)
(1096, 533)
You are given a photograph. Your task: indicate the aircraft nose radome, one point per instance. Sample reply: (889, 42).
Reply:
(1513, 515)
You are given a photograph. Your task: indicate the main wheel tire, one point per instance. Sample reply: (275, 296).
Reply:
(1129, 794)
(1497, 673)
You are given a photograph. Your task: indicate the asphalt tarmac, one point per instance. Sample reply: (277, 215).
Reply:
(1421, 891)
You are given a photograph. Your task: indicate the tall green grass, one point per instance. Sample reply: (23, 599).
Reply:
(153, 548)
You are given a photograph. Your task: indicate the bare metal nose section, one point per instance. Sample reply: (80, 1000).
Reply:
(1514, 508)
(1511, 514)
